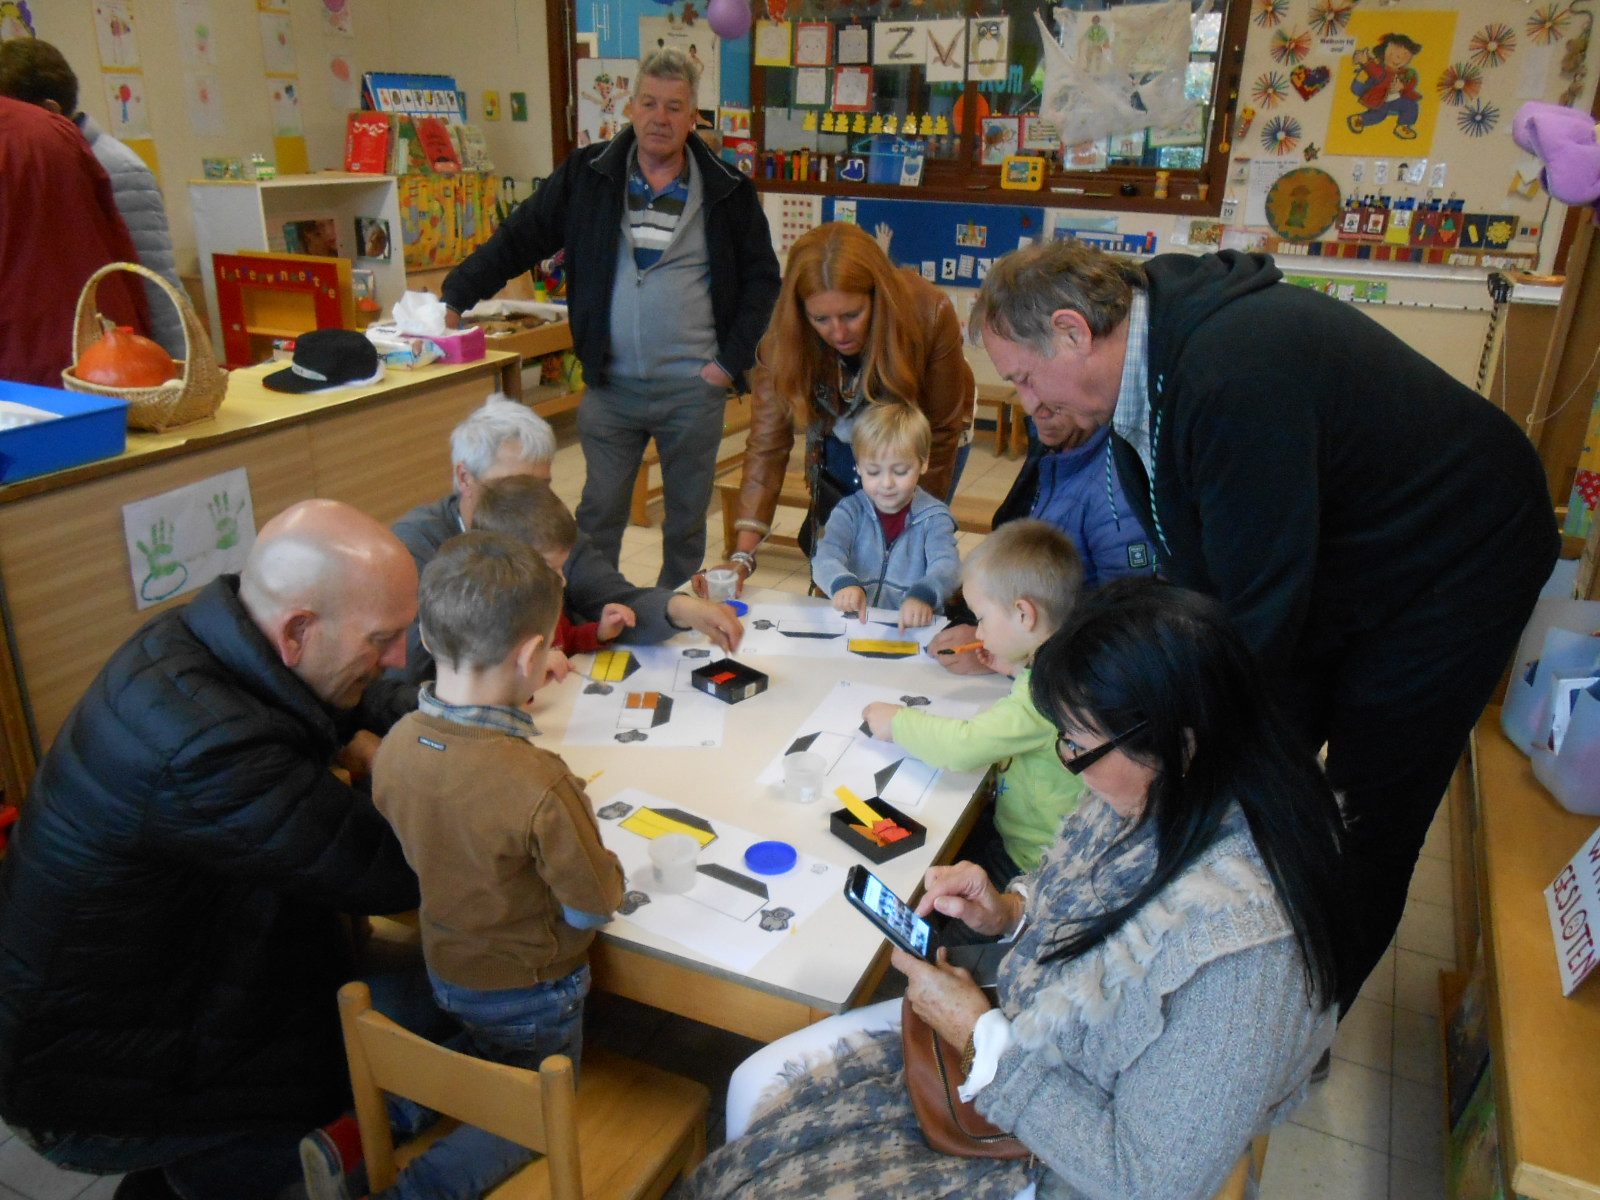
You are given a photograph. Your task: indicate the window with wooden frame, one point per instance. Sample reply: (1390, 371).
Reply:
(967, 80)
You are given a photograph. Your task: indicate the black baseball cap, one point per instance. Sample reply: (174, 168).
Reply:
(328, 358)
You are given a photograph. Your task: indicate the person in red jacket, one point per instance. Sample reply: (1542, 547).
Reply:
(58, 225)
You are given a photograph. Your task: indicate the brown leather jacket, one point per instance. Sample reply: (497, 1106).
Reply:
(946, 400)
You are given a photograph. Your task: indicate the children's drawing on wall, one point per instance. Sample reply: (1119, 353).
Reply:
(16, 20)
(130, 118)
(1382, 104)
(183, 539)
(695, 39)
(113, 27)
(196, 33)
(605, 87)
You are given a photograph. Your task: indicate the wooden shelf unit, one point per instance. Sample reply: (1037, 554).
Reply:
(1545, 1047)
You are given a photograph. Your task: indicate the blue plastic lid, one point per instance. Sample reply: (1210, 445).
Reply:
(739, 607)
(771, 858)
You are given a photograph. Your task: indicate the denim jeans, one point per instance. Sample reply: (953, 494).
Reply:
(520, 1027)
(219, 1166)
(615, 423)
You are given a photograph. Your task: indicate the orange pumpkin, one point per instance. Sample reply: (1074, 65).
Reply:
(122, 358)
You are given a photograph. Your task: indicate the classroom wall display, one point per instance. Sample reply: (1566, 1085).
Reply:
(946, 60)
(181, 540)
(899, 44)
(855, 45)
(988, 48)
(813, 44)
(949, 243)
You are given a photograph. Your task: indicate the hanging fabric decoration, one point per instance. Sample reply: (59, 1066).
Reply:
(1115, 71)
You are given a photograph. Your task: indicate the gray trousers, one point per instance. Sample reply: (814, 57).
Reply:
(615, 423)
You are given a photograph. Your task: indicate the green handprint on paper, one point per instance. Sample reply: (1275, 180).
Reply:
(162, 566)
(226, 520)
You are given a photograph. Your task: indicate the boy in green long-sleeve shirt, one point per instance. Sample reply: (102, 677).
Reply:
(1021, 583)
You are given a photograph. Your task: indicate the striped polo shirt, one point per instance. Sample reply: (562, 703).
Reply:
(653, 216)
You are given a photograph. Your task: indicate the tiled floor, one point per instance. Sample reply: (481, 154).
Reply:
(1372, 1131)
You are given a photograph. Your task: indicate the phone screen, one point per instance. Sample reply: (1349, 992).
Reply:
(899, 923)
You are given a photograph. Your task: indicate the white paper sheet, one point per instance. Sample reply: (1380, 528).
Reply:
(181, 540)
(857, 760)
(653, 703)
(732, 915)
(809, 631)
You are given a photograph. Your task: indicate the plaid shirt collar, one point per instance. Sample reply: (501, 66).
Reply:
(513, 721)
(1131, 421)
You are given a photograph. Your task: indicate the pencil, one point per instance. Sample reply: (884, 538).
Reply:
(962, 649)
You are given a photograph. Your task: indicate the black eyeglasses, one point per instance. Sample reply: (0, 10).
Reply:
(1078, 760)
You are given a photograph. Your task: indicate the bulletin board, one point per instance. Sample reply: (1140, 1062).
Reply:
(1409, 102)
(949, 243)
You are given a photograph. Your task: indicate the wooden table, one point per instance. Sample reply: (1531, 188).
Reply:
(64, 575)
(834, 958)
(1546, 1047)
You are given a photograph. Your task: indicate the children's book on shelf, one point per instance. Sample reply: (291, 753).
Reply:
(414, 95)
(473, 147)
(409, 156)
(366, 142)
(438, 146)
(1466, 1041)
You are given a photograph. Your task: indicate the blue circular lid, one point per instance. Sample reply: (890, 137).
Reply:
(739, 607)
(770, 858)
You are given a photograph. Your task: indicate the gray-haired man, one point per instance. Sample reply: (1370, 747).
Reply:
(671, 279)
(506, 438)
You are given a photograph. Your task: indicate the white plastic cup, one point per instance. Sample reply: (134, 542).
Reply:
(802, 776)
(675, 856)
(722, 585)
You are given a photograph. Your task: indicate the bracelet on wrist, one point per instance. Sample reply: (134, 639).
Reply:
(744, 559)
(969, 1052)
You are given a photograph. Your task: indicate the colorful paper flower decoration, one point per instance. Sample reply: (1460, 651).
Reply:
(1270, 89)
(1329, 17)
(1459, 83)
(1270, 12)
(1549, 24)
(1478, 118)
(1291, 46)
(1281, 135)
(1492, 44)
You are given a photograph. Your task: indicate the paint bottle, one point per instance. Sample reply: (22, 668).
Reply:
(1163, 179)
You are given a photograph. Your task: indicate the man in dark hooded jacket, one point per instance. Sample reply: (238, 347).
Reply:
(1378, 531)
(170, 937)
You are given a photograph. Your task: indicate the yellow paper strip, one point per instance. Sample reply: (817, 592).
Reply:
(611, 666)
(857, 807)
(648, 823)
(879, 646)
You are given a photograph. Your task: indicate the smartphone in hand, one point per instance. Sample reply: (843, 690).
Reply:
(897, 921)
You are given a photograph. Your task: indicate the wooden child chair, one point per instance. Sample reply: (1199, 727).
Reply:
(1246, 1171)
(629, 1131)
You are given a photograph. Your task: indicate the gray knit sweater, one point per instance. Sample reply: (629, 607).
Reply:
(1143, 1067)
(1141, 1071)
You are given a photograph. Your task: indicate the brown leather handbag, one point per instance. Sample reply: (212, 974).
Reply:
(950, 1124)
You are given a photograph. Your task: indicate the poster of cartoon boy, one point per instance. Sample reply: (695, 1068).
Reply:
(1379, 93)
(1386, 85)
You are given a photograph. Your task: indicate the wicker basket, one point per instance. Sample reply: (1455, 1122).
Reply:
(193, 396)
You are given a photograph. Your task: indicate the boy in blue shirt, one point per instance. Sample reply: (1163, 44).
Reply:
(890, 545)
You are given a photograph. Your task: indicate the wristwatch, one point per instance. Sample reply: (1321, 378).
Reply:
(744, 559)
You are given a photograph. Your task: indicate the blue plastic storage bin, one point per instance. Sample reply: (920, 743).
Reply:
(89, 428)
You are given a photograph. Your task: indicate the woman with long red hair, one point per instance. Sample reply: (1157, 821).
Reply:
(850, 329)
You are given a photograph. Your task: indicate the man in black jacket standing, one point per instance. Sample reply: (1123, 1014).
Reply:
(170, 938)
(671, 280)
(1378, 531)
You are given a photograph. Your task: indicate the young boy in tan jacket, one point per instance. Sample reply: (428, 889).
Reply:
(502, 837)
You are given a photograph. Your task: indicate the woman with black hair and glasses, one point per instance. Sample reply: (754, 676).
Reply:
(1173, 962)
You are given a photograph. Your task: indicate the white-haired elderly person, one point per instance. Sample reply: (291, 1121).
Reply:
(504, 438)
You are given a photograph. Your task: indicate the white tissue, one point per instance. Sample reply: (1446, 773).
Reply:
(14, 415)
(420, 313)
